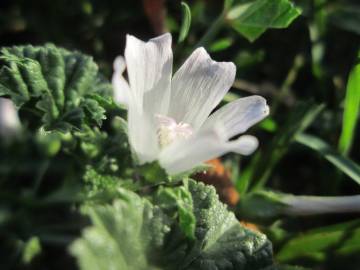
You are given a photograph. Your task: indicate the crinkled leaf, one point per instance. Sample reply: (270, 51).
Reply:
(134, 234)
(121, 235)
(178, 200)
(222, 243)
(64, 89)
(253, 18)
(102, 187)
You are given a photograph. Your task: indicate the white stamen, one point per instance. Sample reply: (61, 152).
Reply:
(170, 131)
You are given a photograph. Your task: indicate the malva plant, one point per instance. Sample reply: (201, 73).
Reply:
(97, 175)
(168, 116)
(134, 225)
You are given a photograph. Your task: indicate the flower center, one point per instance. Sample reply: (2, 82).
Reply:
(169, 131)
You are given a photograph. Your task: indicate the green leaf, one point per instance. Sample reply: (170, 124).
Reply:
(351, 111)
(347, 166)
(134, 234)
(186, 22)
(121, 234)
(221, 44)
(221, 242)
(339, 239)
(253, 18)
(63, 89)
(31, 249)
(178, 200)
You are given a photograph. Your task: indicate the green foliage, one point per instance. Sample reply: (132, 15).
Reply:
(351, 110)
(31, 248)
(63, 160)
(66, 86)
(179, 201)
(132, 233)
(341, 239)
(186, 22)
(344, 164)
(97, 182)
(253, 18)
(222, 243)
(122, 234)
(221, 44)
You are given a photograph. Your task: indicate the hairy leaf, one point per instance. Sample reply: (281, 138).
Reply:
(132, 233)
(121, 234)
(222, 243)
(178, 200)
(63, 89)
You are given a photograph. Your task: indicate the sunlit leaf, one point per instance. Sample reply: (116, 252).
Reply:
(221, 44)
(134, 234)
(32, 248)
(253, 18)
(121, 234)
(64, 90)
(351, 110)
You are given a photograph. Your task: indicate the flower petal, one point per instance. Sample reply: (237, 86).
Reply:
(142, 135)
(120, 85)
(9, 118)
(149, 66)
(198, 86)
(186, 154)
(237, 116)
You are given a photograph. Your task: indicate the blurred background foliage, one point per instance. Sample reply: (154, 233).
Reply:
(309, 144)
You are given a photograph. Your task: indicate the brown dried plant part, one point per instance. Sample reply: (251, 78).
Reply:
(220, 178)
(251, 226)
(155, 11)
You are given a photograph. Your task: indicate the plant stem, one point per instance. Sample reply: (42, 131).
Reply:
(313, 205)
(212, 31)
(288, 82)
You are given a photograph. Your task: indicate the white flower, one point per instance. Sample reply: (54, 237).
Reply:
(168, 116)
(9, 119)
